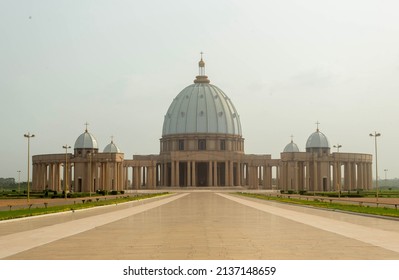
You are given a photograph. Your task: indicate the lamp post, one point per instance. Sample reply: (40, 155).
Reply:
(29, 136)
(19, 181)
(375, 135)
(66, 147)
(338, 171)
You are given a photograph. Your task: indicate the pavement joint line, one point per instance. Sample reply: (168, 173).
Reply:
(377, 237)
(18, 242)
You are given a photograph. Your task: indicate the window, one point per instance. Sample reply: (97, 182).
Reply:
(181, 145)
(202, 144)
(222, 145)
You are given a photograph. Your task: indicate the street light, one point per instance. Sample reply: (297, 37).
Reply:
(338, 171)
(337, 147)
(66, 147)
(19, 181)
(29, 136)
(375, 135)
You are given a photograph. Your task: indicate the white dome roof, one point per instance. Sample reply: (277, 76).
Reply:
(291, 148)
(86, 141)
(317, 140)
(201, 108)
(111, 148)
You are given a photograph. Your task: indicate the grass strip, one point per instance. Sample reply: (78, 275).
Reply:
(378, 211)
(26, 212)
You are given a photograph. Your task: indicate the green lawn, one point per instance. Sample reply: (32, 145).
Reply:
(379, 211)
(20, 213)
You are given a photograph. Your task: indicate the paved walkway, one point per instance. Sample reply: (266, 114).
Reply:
(200, 225)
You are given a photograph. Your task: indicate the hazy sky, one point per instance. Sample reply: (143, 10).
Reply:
(118, 65)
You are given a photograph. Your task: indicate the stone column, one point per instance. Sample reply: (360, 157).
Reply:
(335, 176)
(238, 174)
(215, 173)
(371, 175)
(50, 177)
(267, 177)
(226, 173)
(353, 171)
(173, 173)
(359, 184)
(231, 173)
(194, 175)
(188, 173)
(154, 175)
(210, 181)
(34, 176)
(178, 173)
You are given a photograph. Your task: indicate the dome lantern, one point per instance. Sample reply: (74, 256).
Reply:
(201, 78)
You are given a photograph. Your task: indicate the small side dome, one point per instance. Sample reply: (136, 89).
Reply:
(111, 148)
(291, 148)
(86, 141)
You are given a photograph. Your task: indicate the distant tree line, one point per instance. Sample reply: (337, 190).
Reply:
(5, 182)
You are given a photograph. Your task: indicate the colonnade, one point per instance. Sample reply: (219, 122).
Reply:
(82, 176)
(326, 176)
(49, 176)
(294, 171)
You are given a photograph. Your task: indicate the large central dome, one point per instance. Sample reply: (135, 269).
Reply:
(201, 108)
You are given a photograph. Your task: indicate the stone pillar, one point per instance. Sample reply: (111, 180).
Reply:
(154, 175)
(359, 183)
(210, 177)
(231, 174)
(34, 176)
(226, 173)
(194, 175)
(173, 173)
(50, 177)
(215, 173)
(126, 177)
(353, 175)
(370, 173)
(368, 179)
(335, 176)
(238, 174)
(257, 176)
(136, 176)
(178, 173)
(188, 173)
(57, 177)
(267, 177)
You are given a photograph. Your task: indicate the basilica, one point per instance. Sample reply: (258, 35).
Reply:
(202, 146)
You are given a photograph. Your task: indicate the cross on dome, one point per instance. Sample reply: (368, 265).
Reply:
(317, 123)
(86, 124)
(201, 65)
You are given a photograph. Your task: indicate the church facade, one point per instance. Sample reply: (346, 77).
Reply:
(201, 146)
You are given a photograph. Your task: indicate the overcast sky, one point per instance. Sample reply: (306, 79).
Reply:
(118, 65)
